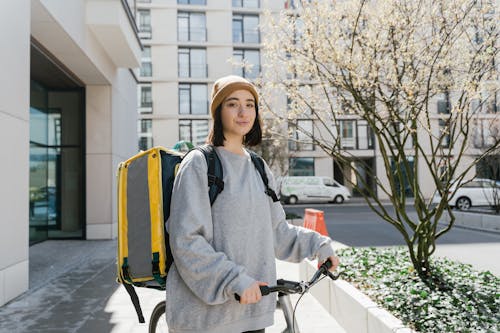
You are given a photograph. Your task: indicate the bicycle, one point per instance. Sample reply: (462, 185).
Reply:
(284, 288)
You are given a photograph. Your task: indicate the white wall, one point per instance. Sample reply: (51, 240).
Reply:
(14, 145)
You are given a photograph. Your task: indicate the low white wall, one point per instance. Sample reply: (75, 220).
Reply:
(353, 310)
(486, 222)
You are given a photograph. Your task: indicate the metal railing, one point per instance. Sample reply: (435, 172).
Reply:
(192, 34)
(193, 71)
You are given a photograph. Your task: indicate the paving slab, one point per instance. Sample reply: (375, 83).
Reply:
(73, 289)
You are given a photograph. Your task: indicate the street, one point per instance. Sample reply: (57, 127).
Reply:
(355, 224)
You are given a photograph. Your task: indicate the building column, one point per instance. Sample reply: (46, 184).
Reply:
(111, 137)
(98, 162)
(14, 146)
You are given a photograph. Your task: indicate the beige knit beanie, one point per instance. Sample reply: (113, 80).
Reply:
(226, 85)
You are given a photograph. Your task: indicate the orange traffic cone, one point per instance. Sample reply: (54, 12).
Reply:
(314, 219)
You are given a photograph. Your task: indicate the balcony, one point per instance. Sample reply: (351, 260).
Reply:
(193, 71)
(192, 34)
(145, 31)
(252, 72)
(146, 69)
(113, 25)
(247, 36)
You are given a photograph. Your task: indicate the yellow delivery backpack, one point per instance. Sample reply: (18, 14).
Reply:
(145, 183)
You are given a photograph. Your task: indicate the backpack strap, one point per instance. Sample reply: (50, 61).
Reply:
(135, 300)
(259, 165)
(215, 173)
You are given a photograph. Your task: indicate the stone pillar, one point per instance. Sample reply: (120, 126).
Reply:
(14, 147)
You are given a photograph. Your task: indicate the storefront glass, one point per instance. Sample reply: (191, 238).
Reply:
(56, 163)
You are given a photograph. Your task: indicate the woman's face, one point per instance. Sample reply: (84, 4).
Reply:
(238, 114)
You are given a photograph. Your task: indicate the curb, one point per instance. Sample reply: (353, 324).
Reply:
(352, 309)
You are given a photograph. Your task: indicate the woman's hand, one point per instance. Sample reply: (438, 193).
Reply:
(335, 262)
(252, 294)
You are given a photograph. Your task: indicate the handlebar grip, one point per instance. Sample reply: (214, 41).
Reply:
(328, 264)
(264, 290)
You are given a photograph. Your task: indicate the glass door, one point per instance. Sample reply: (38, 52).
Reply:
(56, 163)
(38, 196)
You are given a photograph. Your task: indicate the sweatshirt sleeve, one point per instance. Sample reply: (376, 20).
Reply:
(210, 275)
(293, 243)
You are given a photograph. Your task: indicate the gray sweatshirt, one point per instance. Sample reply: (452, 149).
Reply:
(221, 250)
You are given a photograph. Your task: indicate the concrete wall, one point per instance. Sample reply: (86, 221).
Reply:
(477, 221)
(14, 145)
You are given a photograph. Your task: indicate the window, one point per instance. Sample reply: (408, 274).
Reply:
(246, 29)
(443, 107)
(146, 65)
(192, 63)
(485, 133)
(294, 4)
(192, 2)
(194, 131)
(191, 27)
(145, 98)
(489, 102)
(444, 132)
(300, 140)
(444, 103)
(246, 3)
(347, 131)
(247, 63)
(193, 99)
(145, 131)
(144, 18)
(301, 166)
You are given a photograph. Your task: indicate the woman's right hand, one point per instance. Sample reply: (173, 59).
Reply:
(252, 294)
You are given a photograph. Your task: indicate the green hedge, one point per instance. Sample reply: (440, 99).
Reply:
(467, 300)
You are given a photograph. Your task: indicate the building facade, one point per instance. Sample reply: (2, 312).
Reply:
(188, 44)
(67, 117)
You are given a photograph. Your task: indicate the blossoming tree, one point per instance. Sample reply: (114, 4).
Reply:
(387, 63)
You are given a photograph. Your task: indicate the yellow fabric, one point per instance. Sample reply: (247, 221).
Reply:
(156, 206)
(122, 218)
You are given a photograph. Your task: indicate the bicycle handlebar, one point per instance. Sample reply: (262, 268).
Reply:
(293, 287)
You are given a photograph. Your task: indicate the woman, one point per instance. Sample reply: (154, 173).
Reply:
(230, 247)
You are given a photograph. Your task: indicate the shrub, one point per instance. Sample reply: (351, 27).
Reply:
(461, 300)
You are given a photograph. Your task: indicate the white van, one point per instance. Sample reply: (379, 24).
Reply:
(313, 189)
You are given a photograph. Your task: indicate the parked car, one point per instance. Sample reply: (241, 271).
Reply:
(313, 189)
(477, 192)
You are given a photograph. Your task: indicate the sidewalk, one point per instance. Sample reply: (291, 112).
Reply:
(73, 289)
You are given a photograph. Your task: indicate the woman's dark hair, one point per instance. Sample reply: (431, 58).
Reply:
(216, 135)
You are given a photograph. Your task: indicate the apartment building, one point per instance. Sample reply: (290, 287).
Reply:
(357, 140)
(67, 117)
(188, 44)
